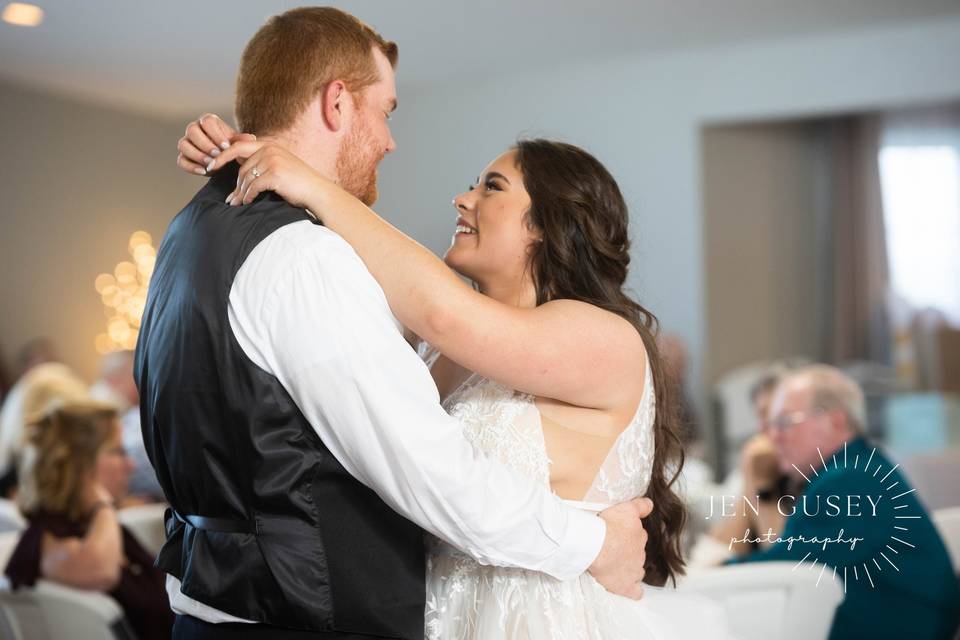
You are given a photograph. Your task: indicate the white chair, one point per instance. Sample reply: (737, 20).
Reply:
(51, 611)
(8, 628)
(947, 522)
(145, 522)
(695, 488)
(8, 542)
(770, 600)
(934, 474)
(10, 517)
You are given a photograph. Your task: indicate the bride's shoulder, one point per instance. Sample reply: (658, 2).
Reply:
(592, 320)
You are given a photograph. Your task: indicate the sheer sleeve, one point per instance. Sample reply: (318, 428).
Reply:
(427, 353)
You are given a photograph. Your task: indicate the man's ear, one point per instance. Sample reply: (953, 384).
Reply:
(333, 101)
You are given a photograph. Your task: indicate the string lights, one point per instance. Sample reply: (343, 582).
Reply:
(124, 295)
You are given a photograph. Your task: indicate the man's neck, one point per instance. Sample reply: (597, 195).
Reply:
(321, 158)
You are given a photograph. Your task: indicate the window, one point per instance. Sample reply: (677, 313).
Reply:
(920, 186)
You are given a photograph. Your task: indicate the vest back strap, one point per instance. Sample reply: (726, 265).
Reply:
(221, 525)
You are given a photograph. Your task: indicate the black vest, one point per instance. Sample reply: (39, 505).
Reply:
(265, 523)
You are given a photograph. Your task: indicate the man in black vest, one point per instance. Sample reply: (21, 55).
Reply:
(298, 439)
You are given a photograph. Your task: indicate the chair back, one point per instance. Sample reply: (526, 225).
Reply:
(51, 611)
(770, 600)
(145, 522)
(10, 517)
(947, 522)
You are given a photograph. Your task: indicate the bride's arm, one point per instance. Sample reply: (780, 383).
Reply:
(564, 349)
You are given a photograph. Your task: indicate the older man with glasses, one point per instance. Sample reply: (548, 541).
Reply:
(851, 511)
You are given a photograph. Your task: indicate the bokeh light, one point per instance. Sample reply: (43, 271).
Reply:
(124, 295)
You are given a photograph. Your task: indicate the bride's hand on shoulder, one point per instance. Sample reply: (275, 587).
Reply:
(267, 166)
(204, 140)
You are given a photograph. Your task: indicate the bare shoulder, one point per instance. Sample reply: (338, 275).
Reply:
(608, 345)
(602, 328)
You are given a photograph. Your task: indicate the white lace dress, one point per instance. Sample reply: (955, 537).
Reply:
(467, 600)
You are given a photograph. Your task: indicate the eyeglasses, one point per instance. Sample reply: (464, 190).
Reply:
(786, 421)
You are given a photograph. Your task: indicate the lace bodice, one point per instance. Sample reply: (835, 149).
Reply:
(506, 424)
(469, 601)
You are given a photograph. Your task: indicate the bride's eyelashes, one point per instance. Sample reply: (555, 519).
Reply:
(490, 185)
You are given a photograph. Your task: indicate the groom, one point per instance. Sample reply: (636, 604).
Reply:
(297, 437)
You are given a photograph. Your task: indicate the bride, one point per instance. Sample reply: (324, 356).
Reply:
(547, 363)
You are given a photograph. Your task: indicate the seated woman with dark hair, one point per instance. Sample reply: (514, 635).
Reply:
(74, 471)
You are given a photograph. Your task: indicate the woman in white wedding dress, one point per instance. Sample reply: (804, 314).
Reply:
(547, 363)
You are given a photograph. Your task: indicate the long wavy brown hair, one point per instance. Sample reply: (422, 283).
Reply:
(62, 455)
(584, 255)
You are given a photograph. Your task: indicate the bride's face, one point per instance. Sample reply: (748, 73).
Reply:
(492, 238)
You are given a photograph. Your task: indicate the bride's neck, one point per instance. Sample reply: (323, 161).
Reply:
(516, 294)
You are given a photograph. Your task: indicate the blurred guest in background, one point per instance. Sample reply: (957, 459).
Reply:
(675, 358)
(758, 478)
(74, 472)
(34, 352)
(5, 379)
(40, 388)
(117, 387)
(844, 490)
(759, 475)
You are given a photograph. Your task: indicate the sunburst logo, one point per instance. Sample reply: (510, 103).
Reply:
(897, 532)
(877, 516)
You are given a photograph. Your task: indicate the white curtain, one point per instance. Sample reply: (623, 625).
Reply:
(920, 179)
(919, 162)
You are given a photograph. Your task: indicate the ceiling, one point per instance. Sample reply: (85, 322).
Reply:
(177, 58)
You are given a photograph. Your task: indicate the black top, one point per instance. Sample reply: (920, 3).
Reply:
(140, 592)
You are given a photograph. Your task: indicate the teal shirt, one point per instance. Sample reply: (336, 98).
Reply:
(899, 579)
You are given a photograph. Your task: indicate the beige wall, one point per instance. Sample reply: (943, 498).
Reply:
(75, 182)
(762, 194)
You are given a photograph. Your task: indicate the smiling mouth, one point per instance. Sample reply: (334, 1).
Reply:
(462, 228)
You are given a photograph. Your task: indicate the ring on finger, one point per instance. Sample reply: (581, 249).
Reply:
(255, 172)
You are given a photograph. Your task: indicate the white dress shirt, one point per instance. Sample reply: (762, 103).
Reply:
(304, 308)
